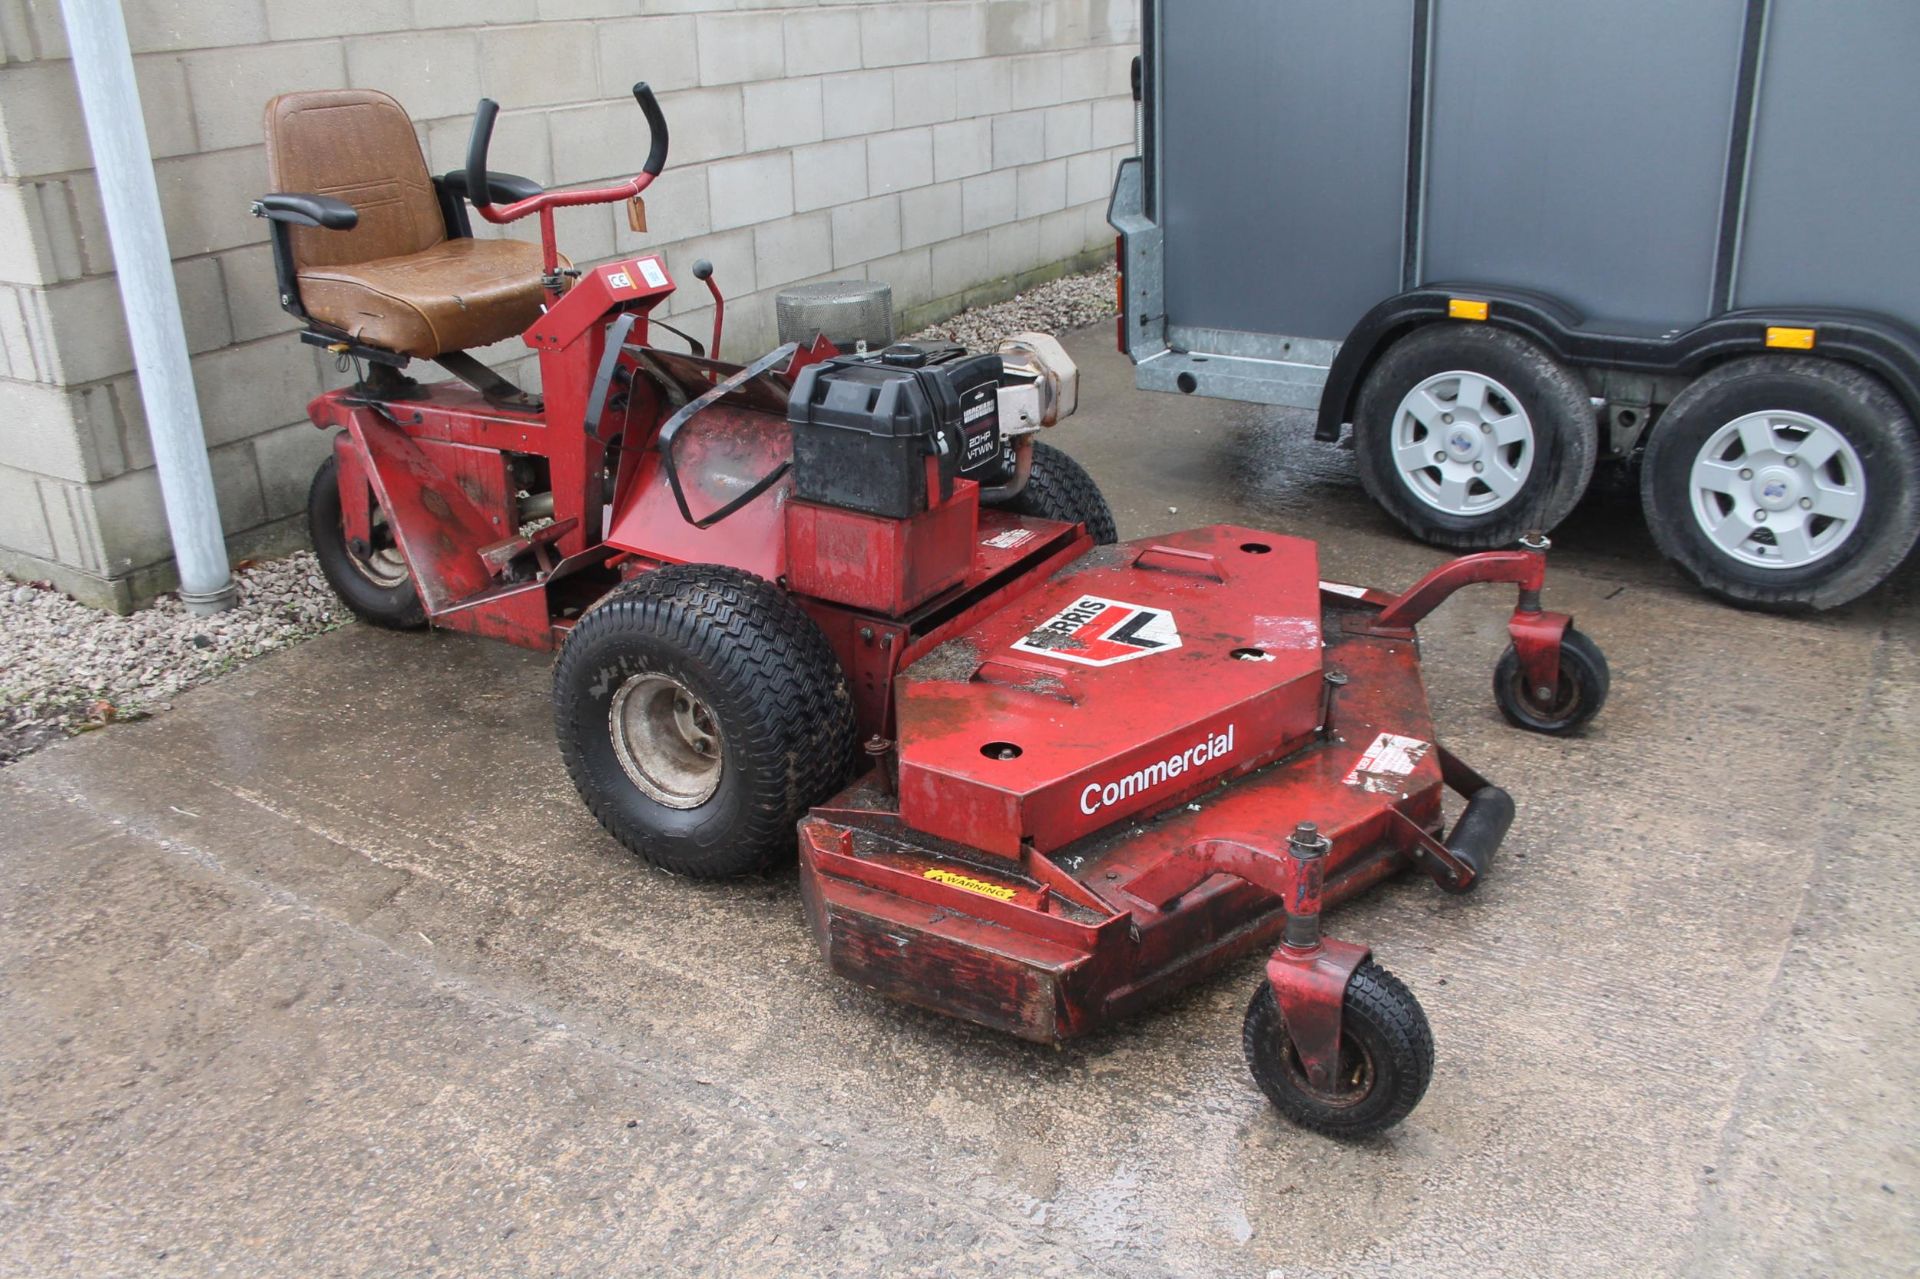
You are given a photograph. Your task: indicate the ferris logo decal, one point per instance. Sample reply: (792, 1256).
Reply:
(1095, 631)
(1099, 795)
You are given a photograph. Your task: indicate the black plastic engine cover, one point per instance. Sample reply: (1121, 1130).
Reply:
(865, 428)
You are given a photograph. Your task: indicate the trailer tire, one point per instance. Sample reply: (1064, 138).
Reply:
(1386, 1057)
(1785, 404)
(378, 588)
(1547, 444)
(700, 713)
(1059, 488)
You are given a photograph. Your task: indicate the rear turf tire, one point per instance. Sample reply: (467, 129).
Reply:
(700, 713)
(377, 585)
(1059, 488)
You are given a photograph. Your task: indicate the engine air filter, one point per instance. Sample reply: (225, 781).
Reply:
(849, 312)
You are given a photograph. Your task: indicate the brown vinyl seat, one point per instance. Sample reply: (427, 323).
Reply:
(396, 280)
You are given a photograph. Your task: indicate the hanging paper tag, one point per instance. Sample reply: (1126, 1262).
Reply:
(636, 213)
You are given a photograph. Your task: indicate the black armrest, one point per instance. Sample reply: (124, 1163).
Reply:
(307, 210)
(502, 188)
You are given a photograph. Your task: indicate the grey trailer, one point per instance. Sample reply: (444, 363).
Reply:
(1503, 242)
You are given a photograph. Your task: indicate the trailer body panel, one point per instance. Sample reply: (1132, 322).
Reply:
(1832, 184)
(1295, 124)
(1579, 151)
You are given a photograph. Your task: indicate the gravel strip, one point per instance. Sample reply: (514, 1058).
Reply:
(1054, 307)
(66, 668)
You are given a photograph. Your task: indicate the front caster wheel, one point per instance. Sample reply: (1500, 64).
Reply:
(1386, 1058)
(1584, 680)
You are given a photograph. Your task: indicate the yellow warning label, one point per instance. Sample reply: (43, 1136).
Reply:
(984, 887)
(1791, 339)
(1467, 308)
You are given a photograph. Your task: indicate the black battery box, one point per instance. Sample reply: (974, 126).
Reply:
(888, 433)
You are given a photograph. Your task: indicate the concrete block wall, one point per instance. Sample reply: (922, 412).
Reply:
(956, 149)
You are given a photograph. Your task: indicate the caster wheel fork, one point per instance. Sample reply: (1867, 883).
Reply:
(1335, 1041)
(1559, 702)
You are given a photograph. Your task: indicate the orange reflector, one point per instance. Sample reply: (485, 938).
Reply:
(1467, 308)
(1791, 339)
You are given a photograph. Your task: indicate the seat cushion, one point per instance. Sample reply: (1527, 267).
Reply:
(359, 146)
(452, 296)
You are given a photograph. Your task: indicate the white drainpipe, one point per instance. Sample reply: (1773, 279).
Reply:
(103, 66)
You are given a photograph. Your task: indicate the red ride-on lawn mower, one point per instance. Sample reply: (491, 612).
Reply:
(1040, 780)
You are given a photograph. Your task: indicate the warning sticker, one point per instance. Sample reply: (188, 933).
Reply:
(985, 887)
(1341, 588)
(650, 272)
(1095, 631)
(1009, 538)
(1384, 766)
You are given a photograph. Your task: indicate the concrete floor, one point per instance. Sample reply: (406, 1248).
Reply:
(328, 972)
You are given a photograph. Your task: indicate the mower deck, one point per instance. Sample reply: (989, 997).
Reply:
(1098, 876)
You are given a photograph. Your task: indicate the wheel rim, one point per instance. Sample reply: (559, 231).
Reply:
(1352, 1080)
(383, 565)
(1778, 489)
(1564, 704)
(666, 740)
(1462, 443)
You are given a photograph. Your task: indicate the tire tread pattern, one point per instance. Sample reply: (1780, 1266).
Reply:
(1379, 1008)
(1891, 458)
(759, 646)
(1059, 488)
(1566, 433)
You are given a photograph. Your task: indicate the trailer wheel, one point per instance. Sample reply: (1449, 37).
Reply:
(1471, 436)
(1059, 488)
(1784, 482)
(700, 713)
(1386, 1058)
(1584, 681)
(374, 581)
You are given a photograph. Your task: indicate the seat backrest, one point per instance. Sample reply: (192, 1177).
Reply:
(356, 145)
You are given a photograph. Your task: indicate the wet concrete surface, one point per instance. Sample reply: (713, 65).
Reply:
(328, 972)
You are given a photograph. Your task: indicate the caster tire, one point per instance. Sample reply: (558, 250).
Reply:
(1584, 681)
(1734, 495)
(377, 586)
(1059, 488)
(1471, 436)
(1386, 1058)
(700, 713)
